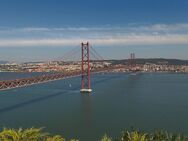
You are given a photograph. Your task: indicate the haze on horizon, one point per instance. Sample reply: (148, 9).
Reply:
(44, 30)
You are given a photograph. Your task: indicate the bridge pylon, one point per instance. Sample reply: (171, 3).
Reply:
(86, 85)
(132, 62)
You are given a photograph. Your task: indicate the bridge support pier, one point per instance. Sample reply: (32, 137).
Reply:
(86, 86)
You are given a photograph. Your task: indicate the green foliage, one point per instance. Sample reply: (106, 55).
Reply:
(135, 135)
(36, 134)
(106, 138)
(165, 136)
(55, 138)
(31, 134)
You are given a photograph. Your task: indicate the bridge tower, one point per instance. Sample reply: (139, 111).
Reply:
(132, 61)
(86, 86)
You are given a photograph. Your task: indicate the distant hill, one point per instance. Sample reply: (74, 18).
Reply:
(138, 61)
(154, 61)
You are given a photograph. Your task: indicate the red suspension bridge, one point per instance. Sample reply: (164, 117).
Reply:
(85, 72)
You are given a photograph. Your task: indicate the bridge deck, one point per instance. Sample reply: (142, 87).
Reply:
(23, 82)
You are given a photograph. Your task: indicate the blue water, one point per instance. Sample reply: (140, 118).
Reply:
(147, 101)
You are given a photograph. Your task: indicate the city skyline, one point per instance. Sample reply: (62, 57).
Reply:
(39, 31)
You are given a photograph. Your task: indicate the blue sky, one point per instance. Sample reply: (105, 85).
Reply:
(36, 30)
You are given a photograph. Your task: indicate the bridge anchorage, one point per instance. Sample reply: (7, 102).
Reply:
(86, 86)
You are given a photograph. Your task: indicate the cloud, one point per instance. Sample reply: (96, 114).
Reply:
(126, 40)
(157, 34)
(34, 29)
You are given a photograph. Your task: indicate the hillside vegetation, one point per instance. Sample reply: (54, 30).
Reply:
(35, 134)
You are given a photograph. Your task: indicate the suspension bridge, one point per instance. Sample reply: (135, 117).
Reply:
(85, 72)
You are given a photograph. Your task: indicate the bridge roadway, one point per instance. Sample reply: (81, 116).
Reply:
(23, 82)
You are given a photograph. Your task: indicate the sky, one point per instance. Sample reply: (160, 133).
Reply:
(42, 30)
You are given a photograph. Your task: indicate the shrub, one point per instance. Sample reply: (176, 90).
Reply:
(30, 134)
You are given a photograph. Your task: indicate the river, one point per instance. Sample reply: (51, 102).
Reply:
(147, 101)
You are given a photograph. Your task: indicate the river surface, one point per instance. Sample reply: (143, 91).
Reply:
(147, 101)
